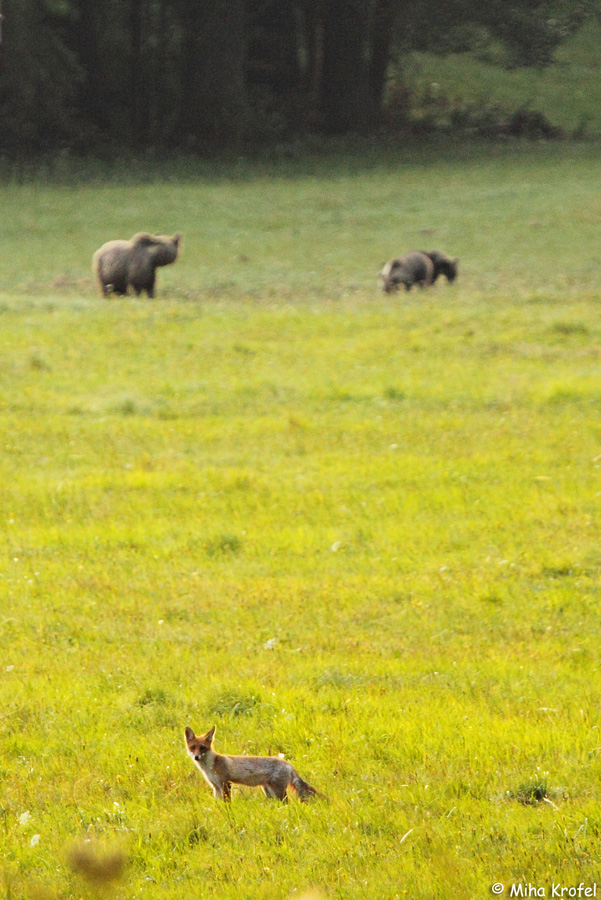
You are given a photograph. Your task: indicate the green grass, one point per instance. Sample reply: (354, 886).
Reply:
(567, 92)
(355, 529)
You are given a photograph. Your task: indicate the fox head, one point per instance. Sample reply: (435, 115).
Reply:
(199, 746)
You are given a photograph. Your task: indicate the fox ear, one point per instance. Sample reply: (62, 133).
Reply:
(210, 734)
(189, 734)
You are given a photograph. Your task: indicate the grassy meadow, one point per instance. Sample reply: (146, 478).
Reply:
(567, 92)
(356, 529)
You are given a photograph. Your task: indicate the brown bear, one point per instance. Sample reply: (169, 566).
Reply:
(414, 268)
(119, 264)
(442, 265)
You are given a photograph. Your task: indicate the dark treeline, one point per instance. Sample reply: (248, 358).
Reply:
(200, 73)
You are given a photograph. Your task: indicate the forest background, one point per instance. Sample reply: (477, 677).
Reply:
(198, 75)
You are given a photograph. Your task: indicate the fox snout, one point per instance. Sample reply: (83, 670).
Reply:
(198, 747)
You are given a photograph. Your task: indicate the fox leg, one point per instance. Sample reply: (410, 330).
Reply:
(275, 790)
(223, 792)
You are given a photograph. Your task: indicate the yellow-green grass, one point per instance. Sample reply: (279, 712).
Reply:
(356, 529)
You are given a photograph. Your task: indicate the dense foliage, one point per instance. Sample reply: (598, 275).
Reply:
(193, 73)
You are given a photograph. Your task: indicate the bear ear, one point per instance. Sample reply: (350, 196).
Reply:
(142, 237)
(177, 238)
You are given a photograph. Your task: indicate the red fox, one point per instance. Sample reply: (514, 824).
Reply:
(271, 773)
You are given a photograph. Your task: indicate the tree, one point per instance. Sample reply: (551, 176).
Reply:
(212, 82)
(343, 85)
(381, 38)
(39, 77)
(530, 29)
